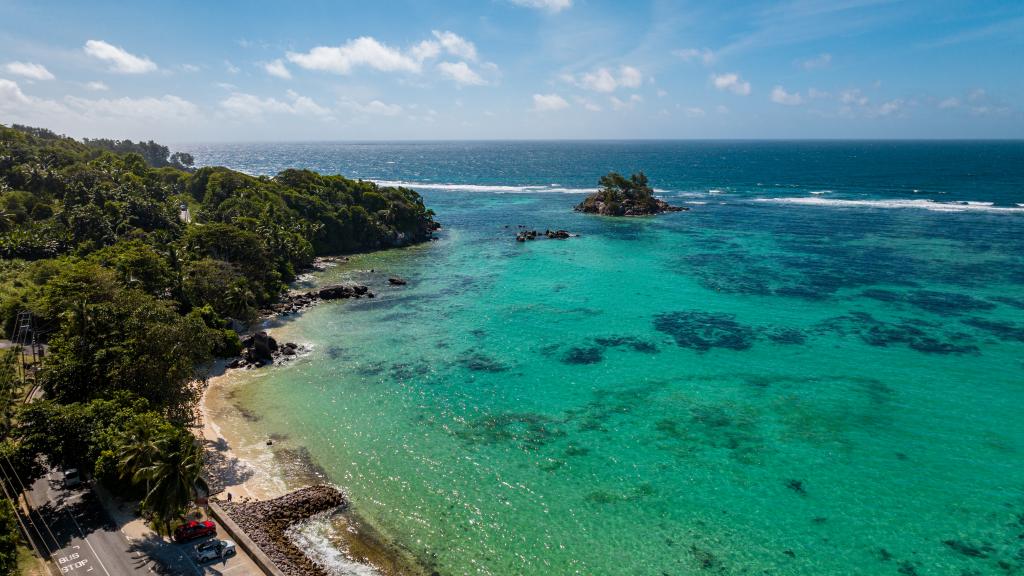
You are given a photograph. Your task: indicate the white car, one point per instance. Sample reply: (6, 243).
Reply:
(214, 549)
(72, 478)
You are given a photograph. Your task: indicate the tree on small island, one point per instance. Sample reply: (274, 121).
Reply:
(621, 196)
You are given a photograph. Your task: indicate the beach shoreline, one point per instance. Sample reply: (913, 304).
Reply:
(246, 463)
(239, 464)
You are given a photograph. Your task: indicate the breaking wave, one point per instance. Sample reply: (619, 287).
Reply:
(493, 188)
(966, 206)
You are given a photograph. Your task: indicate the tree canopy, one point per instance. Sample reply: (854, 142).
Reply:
(134, 299)
(621, 196)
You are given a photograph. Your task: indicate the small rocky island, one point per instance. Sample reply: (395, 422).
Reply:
(621, 196)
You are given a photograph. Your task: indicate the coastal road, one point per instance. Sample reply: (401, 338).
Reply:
(82, 540)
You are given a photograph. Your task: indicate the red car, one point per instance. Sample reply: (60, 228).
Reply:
(192, 530)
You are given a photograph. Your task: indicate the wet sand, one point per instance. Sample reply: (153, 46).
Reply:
(239, 462)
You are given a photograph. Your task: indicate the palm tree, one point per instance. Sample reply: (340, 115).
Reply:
(173, 475)
(139, 453)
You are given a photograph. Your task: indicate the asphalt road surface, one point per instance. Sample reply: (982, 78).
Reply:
(81, 539)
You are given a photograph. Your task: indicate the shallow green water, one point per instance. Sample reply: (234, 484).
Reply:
(741, 389)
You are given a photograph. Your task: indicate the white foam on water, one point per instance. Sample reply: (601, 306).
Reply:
(819, 192)
(492, 188)
(314, 538)
(967, 206)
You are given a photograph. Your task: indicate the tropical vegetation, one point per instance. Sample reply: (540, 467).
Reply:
(137, 270)
(621, 196)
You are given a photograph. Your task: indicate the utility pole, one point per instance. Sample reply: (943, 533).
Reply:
(26, 346)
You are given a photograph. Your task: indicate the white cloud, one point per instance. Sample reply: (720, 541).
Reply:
(165, 108)
(587, 105)
(120, 60)
(231, 68)
(23, 107)
(456, 45)
(240, 104)
(949, 103)
(461, 73)
(819, 61)
(604, 80)
(29, 70)
(630, 77)
(731, 82)
(363, 51)
(815, 94)
(695, 112)
(705, 55)
(98, 116)
(425, 50)
(549, 5)
(548, 102)
(277, 69)
(889, 108)
(662, 93)
(780, 96)
(853, 96)
(190, 68)
(627, 104)
(600, 81)
(11, 94)
(375, 107)
(96, 86)
(305, 105)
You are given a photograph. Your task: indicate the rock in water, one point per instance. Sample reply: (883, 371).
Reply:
(339, 291)
(263, 347)
(621, 196)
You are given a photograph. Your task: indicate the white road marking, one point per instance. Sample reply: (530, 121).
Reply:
(89, 544)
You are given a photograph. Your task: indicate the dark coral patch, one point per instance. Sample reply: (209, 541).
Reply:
(787, 336)
(947, 302)
(882, 295)
(1006, 331)
(583, 355)
(1009, 301)
(480, 362)
(632, 342)
(527, 430)
(915, 334)
(703, 331)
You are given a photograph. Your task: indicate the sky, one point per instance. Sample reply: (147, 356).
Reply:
(192, 71)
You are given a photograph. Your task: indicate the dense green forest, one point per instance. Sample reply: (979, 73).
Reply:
(133, 266)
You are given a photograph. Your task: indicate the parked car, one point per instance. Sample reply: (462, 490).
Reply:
(193, 529)
(72, 478)
(214, 549)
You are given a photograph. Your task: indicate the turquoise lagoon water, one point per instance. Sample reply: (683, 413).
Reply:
(817, 370)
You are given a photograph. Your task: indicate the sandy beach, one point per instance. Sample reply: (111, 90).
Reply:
(240, 462)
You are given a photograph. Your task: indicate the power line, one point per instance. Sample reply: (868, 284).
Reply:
(28, 534)
(28, 503)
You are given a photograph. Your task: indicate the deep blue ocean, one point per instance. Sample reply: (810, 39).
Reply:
(944, 172)
(816, 370)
